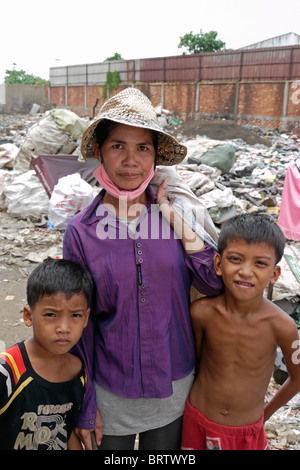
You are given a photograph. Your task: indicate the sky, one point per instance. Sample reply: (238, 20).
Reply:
(37, 35)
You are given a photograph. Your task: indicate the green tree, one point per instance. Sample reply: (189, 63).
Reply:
(116, 56)
(201, 42)
(112, 78)
(21, 77)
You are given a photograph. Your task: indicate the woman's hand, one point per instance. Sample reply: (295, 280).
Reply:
(161, 195)
(190, 240)
(85, 435)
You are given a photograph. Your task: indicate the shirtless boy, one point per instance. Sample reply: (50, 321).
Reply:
(236, 336)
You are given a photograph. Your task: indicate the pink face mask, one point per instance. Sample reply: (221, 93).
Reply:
(105, 181)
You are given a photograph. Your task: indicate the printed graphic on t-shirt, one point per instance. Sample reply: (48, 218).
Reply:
(45, 429)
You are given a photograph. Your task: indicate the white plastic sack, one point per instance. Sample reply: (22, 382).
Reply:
(218, 198)
(184, 201)
(6, 178)
(26, 196)
(8, 153)
(53, 134)
(70, 195)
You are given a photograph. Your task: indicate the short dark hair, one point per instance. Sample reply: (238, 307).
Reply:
(59, 275)
(253, 228)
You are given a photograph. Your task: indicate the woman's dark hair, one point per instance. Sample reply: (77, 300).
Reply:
(58, 275)
(106, 126)
(253, 228)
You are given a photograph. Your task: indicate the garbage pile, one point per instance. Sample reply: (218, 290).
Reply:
(283, 428)
(24, 189)
(42, 185)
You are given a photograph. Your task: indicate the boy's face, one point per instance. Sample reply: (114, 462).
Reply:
(57, 321)
(247, 268)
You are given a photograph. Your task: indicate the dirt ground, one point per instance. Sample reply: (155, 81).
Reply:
(12, 285)
(23, 243)
(220, 130)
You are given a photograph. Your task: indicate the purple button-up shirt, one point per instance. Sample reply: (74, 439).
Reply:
(139, 336)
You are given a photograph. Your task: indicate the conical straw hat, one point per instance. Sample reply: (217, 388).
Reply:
(133, 108)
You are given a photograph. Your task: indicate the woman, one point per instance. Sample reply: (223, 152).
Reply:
(138, 345)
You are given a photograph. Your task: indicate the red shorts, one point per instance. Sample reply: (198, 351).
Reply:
(198, 433)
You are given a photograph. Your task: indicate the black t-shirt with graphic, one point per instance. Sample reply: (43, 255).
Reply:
(34, 413)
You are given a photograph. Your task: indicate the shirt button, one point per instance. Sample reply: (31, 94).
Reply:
(143, 292)
(139, 245)
(140, 260)
(91, 421)
(140, 252)
(143, 299)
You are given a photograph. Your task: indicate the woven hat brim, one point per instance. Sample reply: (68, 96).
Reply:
(169, 152)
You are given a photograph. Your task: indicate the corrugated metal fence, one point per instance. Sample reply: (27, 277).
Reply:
(258, 64)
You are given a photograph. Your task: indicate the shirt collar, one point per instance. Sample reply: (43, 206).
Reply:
(89, 216)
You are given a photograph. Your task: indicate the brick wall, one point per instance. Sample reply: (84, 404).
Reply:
(217, 98)
(269, 104)
(261, 99)
(57, 96)
(293, 107)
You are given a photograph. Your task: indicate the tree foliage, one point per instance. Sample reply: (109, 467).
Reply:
(116, 56)
(201, 42)
(21, 77)
(112, 78)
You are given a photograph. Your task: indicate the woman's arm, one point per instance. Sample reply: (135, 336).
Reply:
(200, 255)
(85, 435)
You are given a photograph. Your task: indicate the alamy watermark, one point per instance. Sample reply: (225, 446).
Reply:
(296, 354)
(296, 94)
(139, 224)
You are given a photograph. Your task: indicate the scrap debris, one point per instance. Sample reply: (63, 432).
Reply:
(229, 168)
(283, 428)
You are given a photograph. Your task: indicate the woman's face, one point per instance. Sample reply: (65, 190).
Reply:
(127, 155)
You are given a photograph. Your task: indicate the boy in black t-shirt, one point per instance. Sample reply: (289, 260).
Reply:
(41, 384)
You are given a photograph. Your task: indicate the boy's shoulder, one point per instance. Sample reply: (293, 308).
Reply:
(74, 365)
(13, 371)
(206, 305)
(15, 366)
(207, 302)
(12, 358)
(280, 319)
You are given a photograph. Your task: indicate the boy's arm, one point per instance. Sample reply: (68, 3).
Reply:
(289, 344)
(196, 311)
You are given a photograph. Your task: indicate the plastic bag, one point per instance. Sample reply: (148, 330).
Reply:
(8, 153)
(26, 196)
(221, 156)
(70, 195)
(59, 131)
(187, 205)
